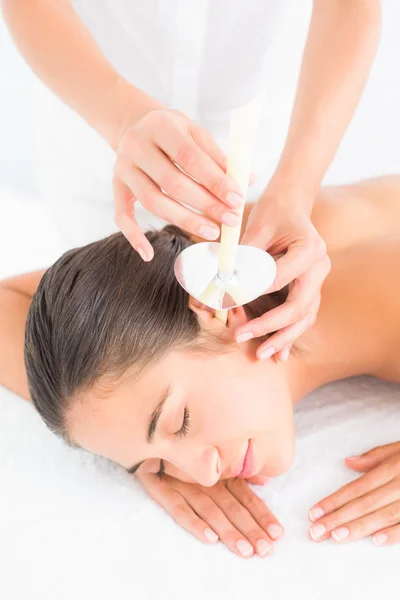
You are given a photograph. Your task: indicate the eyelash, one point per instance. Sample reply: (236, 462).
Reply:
(181, 433)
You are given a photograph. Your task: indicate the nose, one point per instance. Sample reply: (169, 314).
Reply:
(203, 464)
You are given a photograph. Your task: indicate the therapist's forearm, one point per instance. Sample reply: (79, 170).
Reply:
(340, 48)
(61, 51)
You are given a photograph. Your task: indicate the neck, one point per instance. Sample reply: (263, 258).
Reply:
(312, 365)
(302, 376)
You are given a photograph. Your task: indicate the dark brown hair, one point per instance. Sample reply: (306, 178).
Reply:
(100, 310)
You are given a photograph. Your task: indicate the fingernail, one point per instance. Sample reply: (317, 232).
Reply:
(234, 200)
(264, 479)
(210, 535)
(316, 513)
(231, 219)
(208, 232)
(274, 530)
(244, 337)
(244, 548)
(317, 532)
(354, 457)
(267, 353)
(379, 539)
(339, 534)
(263, 547)
(142, 254)
(285, 354)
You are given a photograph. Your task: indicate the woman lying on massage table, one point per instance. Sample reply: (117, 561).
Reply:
(121, 362)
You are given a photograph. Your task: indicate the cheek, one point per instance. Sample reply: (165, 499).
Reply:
(226, 412)
(279, 444)
(243, 403)
(281, 457)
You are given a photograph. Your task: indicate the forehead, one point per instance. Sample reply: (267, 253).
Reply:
(106, 411)
(109, 423)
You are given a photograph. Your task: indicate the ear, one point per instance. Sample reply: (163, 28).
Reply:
(237, 317)
(204, 313)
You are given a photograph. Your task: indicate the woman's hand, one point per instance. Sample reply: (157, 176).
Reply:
(370, 505)
(229, 510)
(280, 227)
(167, 152)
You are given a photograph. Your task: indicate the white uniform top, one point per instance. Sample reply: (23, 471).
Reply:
(202, 57)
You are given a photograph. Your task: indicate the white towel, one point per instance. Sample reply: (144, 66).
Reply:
(76, 527)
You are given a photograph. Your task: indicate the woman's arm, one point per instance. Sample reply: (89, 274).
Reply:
(15, 298)
(150, 140)
(61, 51)
(342, 41)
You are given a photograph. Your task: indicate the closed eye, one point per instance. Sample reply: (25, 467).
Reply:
(185, 425)
(181, 433)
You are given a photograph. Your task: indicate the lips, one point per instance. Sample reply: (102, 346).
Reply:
(245, 467)
(248, 464)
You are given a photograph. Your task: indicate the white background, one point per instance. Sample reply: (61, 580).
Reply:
(75, 527)
(370, 147)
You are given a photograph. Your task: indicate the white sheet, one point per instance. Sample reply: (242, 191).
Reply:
(74, 527)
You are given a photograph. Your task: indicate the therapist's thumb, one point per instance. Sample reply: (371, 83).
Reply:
(124, 217)
(257, 234)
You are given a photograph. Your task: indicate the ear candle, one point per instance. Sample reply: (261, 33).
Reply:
(242, 131)
(224, 275)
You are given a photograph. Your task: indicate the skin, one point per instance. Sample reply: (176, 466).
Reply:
(348, 338)
(151, 141)
(360, 224)
(338, 54)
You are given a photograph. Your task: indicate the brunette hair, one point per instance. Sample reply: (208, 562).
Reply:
(101, 310)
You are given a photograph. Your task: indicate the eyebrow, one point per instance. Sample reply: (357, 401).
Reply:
(153, 422)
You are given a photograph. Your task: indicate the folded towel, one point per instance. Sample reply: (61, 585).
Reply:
(75, 527)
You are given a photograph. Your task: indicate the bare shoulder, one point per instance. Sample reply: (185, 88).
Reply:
(358, 213)
(25, 284)
(360, 305)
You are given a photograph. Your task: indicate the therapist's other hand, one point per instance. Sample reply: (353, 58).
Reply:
(229, 511)
(369, 505)
(148, 158)
(284, 228)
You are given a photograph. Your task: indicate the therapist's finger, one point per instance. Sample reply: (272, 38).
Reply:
(151, 197)
(184, 151)
(297, 307)
(126, 222)
(297, 260)
(183, 188)
(302, 296)
(282, 341)
(206, 142)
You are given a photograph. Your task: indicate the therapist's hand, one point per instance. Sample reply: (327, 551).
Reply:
(148, 158)
(280, 226)
(369, 505)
